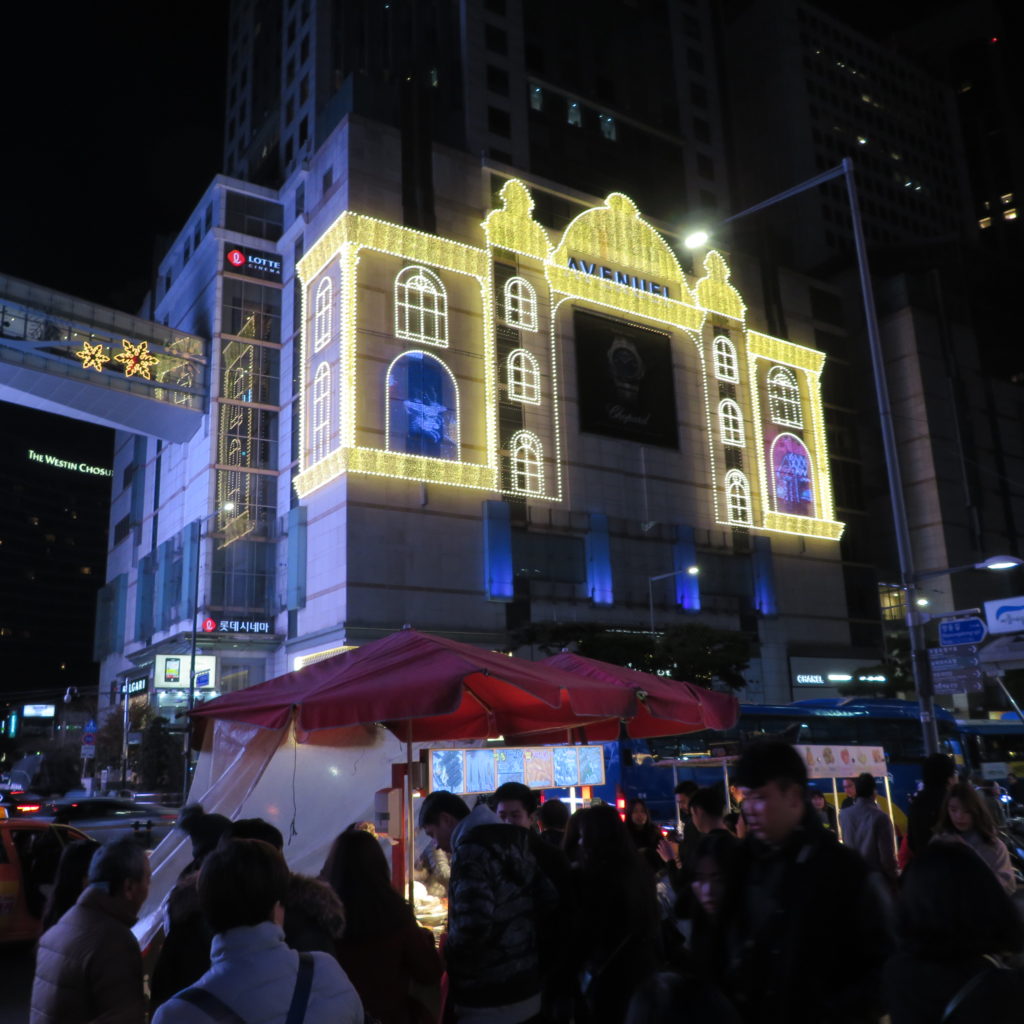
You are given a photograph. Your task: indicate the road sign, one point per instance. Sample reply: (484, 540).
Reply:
(956, 669)
(950, 658)
(955, 632)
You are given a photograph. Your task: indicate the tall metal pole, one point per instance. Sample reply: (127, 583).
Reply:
(908, 578)
(192, 661)
(901, 524)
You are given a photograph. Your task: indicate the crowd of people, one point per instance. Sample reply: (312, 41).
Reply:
(757, 913)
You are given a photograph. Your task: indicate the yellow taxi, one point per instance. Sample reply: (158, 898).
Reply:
(29, 852)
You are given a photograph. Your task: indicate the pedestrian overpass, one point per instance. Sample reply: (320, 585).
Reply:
(68, 356)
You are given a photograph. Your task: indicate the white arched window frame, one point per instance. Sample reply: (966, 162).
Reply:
(322, 314)
(784, 397)
(320, 422)
(527, 454)
(421, 307)
(388, 378)
(737, 498)
(523, 377)
(726, 364)
(520, 304)
(730, 423)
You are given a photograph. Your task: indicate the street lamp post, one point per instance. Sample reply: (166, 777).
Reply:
(901, 526)
(199, 523)
(690, 570)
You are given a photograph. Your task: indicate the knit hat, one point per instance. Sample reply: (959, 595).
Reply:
(204, 829)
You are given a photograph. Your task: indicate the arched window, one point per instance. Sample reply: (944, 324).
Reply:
(730, 423)
(422, 407)
(737, 498)
(523, 377)
(527, 455)
(784, 397)
(421, 307)
(320, 424)
(726, 366)
(520, 304)
(322, 315)
(791, 476)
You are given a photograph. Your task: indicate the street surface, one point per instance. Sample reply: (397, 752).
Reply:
(17, 962)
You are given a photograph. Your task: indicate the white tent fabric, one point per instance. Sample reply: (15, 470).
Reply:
(310, 791)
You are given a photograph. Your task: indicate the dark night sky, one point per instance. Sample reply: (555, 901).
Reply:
(112, 129)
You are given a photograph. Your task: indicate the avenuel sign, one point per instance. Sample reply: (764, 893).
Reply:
(618, 276)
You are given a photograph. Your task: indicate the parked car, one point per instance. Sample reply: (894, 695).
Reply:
(29, 852)
(107, 818)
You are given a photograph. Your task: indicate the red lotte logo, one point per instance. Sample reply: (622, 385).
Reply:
(209, 625)
(236, 258)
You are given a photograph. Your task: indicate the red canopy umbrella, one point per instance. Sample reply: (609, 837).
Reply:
(667, 707)
(429, 688)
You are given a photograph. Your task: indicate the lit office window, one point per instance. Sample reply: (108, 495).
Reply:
(1010, 214)
(575, 114)
(985, 222)
(726, 367)
(421, 307)
(536, 98)
(608, 127)
(892, 601)
(322, 315)
(523, 377)
(520, 304)
(526, 453)
(784, 397)
(730, 423)
(737, 498)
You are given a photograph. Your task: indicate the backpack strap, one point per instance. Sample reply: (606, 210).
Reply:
(214, 1008)
(300, 996)
(965, 990)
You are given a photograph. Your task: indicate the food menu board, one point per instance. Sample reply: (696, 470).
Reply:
(484, 769)
(835, 761)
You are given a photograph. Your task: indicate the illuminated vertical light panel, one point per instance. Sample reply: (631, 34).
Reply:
(499, 581)
(684, 555)
(599, 560)
(763, 566)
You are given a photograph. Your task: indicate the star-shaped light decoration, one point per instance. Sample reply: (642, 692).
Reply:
(93, 357)
(136, 359)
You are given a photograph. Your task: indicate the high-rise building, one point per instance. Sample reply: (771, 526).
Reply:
(591, 95)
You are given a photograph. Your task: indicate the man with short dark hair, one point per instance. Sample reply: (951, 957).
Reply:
(938, 773)
(791, 885)
(868, 830)
(553, 817)
(495, 897)
(514, 804)
(253, 974)
(707, 810)
(88, 965)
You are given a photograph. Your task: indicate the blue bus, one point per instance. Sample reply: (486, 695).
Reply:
(993, 747)
(892, 724)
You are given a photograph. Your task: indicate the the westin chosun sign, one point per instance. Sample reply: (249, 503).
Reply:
(78, 467)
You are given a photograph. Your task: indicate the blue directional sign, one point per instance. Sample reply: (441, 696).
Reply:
(962, 631)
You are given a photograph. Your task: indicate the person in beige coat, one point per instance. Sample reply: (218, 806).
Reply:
(88, 965)
(965, 818)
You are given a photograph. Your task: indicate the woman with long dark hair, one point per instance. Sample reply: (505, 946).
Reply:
(965, 818)
(384, 951)
(644, 834)
(955, 925)
(68, 883)
(618, 939)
